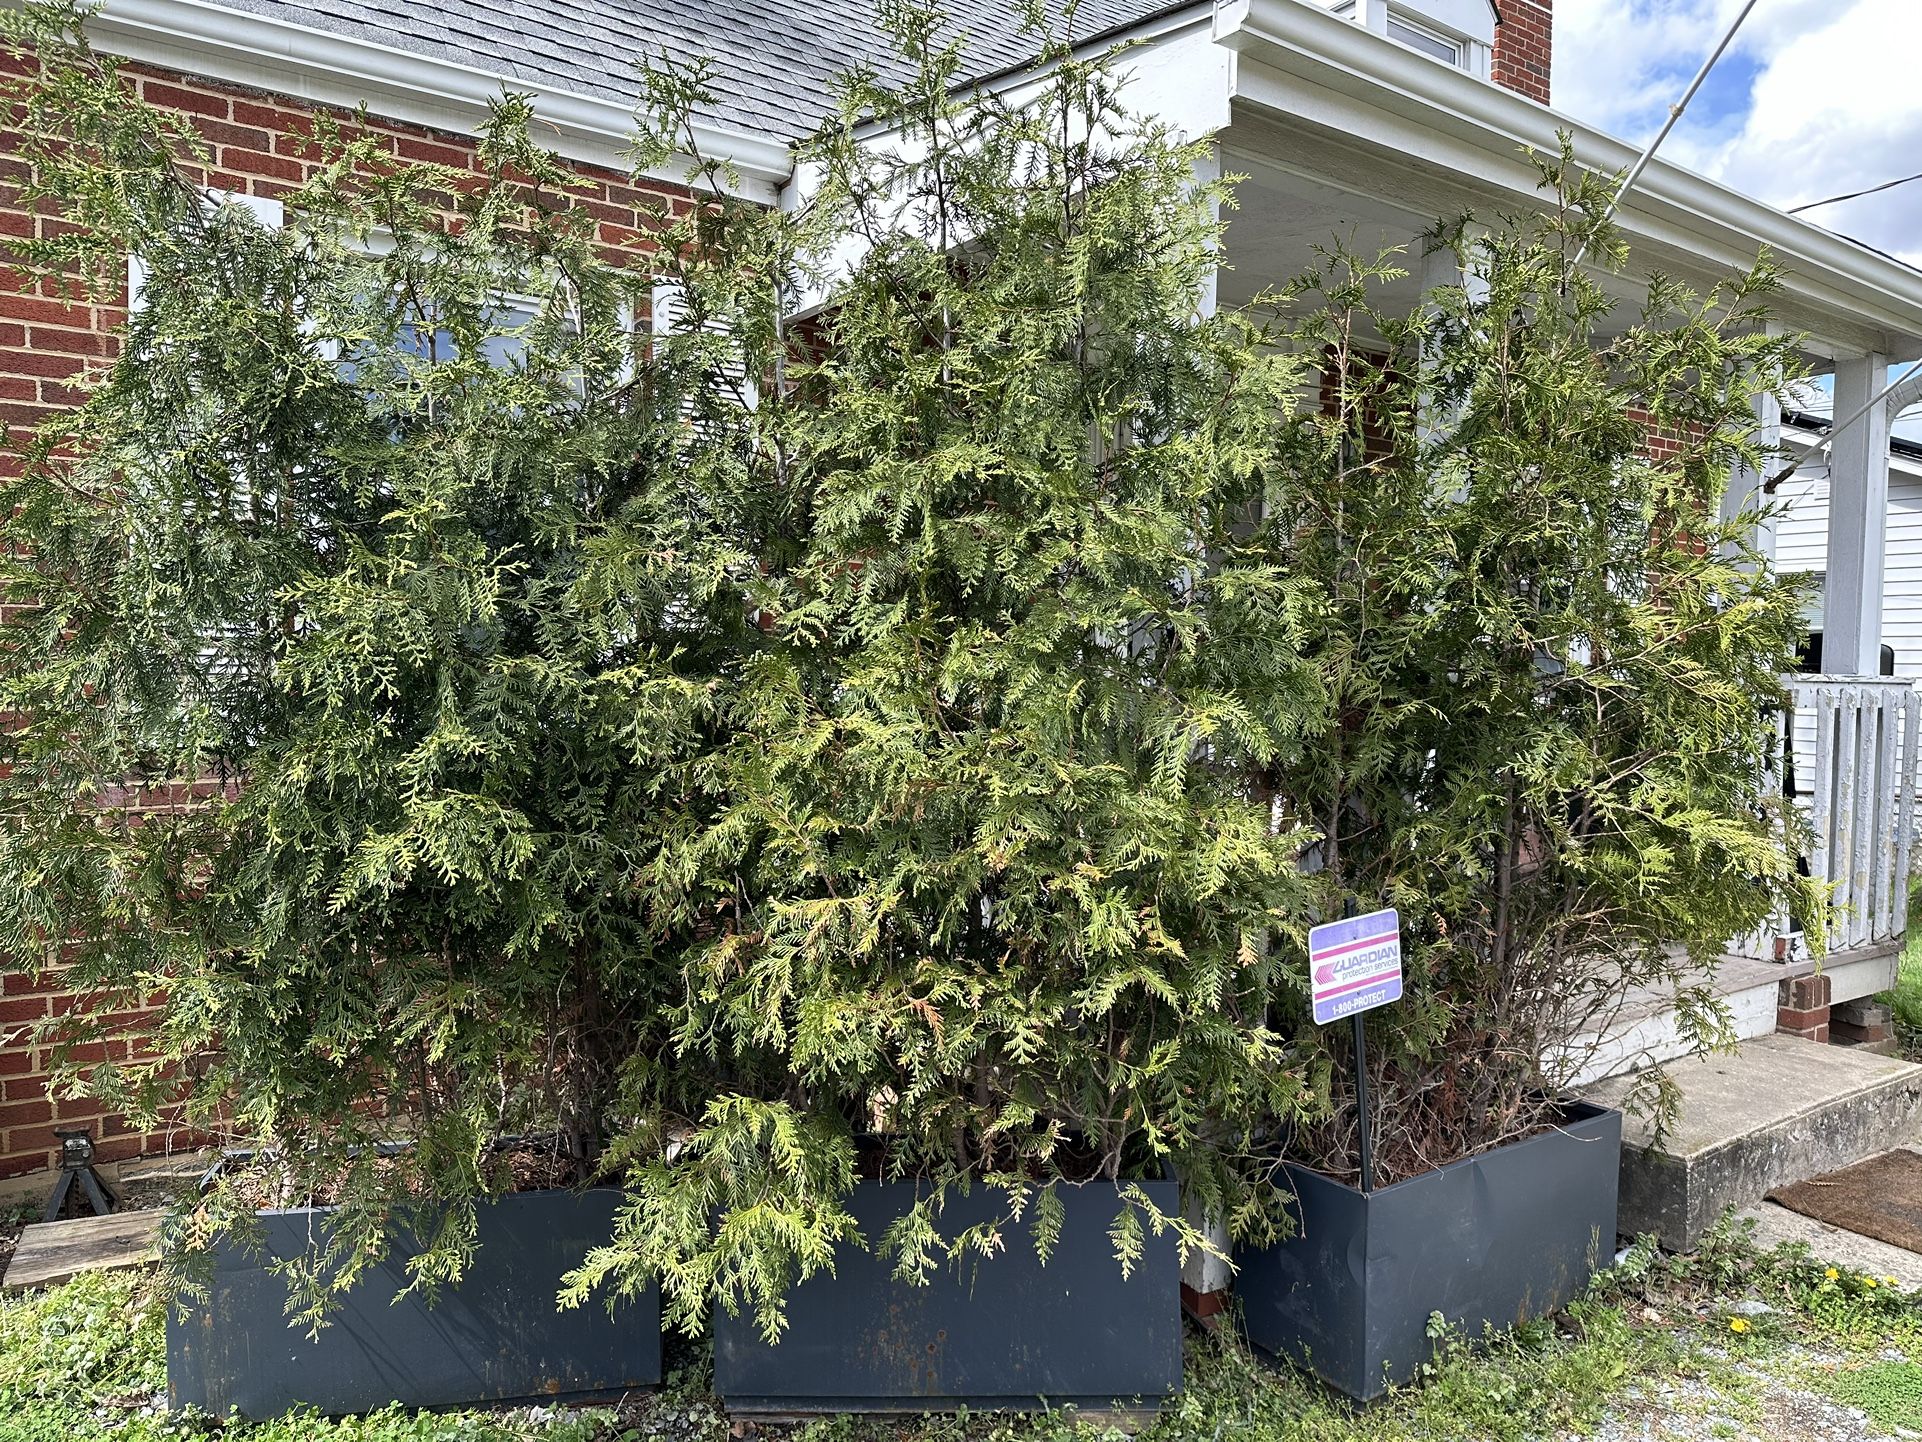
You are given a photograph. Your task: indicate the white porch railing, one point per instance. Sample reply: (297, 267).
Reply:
(1851, 759)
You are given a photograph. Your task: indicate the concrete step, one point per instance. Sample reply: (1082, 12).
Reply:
(1777, 1109)
(1644, 1032)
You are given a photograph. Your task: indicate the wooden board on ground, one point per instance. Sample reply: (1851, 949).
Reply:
(52, 1252)
(1880, 1198)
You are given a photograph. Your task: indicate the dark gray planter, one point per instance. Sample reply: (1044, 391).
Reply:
(1006, 1333)
(495, 1336)
(1499, 1238)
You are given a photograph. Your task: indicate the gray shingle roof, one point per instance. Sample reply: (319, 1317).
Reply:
(774, 60)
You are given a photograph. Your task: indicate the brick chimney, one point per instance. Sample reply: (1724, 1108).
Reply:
(1524, 47)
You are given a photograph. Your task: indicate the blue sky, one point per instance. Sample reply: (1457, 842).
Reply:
(1815, 98)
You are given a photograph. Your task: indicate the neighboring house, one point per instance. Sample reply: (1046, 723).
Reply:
(1369, 119)
(1802, 540)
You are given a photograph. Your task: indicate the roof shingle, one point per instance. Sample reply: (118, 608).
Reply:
(774, 61)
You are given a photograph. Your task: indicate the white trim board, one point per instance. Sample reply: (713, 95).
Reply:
(322, 68)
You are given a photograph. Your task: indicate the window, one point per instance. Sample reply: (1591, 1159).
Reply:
(1458, 33)
(267, 211)
(727, 377)
(1449, 52)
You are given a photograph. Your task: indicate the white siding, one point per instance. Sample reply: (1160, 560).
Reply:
(1801, 544)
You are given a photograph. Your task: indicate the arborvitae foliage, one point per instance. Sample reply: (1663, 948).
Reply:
(1553, 664)
(991, 882)
(901, 722)
(368, 611)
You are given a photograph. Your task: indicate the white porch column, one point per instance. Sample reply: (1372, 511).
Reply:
(1858, 522)
(1744, 495)
(1208, 172)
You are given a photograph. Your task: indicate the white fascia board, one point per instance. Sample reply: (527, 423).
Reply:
(1302, 60)
(302, 63)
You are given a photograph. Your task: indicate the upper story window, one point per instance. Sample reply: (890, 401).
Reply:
(1425, 40)
(1460, 33)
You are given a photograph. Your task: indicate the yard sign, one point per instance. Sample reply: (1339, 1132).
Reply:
(1354, 964)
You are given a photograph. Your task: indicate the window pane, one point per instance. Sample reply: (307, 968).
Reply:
(1446, 51)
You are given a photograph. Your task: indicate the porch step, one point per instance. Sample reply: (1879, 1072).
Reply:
(1778, 1109)
(1644, 1032)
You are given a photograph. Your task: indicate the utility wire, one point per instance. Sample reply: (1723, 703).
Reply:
(1674, 114)
(1641, 164)
(1827, 444)
(1852, 195)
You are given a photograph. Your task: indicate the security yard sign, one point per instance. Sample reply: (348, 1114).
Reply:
(1355, 965)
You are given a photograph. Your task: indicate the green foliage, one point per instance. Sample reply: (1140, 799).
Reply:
(986, 872)
(1551, 662)
(899, 721)
(91, 1340)
(369, 608)
(1890, 1392)
(1905, 1000)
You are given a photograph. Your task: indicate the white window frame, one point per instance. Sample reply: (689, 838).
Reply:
(1422, 32)
(1428, 40)
(666, 308)
(271, 214)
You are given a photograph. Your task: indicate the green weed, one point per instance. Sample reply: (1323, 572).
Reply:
(1890, 1392)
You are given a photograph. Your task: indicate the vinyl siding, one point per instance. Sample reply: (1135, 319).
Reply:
(1801, 544)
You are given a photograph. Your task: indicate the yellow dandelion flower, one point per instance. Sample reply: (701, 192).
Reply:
(1892, 1281)
(1738, 1324)
(1869, 1282)
(1831, 1274)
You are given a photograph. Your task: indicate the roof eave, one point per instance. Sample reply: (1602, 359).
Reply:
(326, 68)
(1316, 47)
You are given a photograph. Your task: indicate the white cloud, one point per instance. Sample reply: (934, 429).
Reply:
(1832, 101)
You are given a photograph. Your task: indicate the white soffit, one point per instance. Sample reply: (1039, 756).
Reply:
(1300, 62)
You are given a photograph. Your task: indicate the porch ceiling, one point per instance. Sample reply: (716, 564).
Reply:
(1322, 108)
(1290, 210)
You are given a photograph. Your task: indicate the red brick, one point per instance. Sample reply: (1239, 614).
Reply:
(196, 102)
(18, 1114)
(433, 152)
(1524, 48)
(1804, 992)
(259, 162)
(22, 1008)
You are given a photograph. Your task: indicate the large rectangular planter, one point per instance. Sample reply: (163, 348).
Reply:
(1001, 1333)
(1497, 1239)
(497, 1335)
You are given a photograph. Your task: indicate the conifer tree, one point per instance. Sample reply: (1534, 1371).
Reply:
(367, 612)
(1552, 662)
(989, 875)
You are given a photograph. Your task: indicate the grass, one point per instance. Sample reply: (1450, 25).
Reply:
(1890, 1392)
(1905, 999)
(1702, 1337)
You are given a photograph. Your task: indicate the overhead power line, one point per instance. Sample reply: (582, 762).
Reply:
(1674, 114)
(1853, 194)
(1881, 398)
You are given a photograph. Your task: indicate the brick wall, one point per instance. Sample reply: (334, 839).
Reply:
(45, 343)
(1524, 49)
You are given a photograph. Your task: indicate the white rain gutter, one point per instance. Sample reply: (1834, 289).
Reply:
(324, 68)
(1306, 61)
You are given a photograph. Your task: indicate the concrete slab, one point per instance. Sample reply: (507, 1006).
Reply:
(1644, 1031)
(1775, 1225)
(1778, 1109)
(54, 1252)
